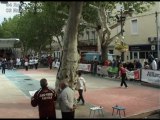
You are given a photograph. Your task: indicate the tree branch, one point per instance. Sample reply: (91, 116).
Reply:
(114, 26)
(59, 41)
(111, 39)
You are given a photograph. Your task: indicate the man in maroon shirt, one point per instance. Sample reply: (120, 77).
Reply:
(44, 98)
(123, 72)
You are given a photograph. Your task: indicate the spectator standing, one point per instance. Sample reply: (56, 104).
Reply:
(11, 62)
(18, 62)
(36, 63)
(154, 65)
(66, 101)
(31, 63)
(150, 59)
(50, 62)
(95, 63)
(3, 65)
(130, 66)
(106, 63)
(146, 65)
(26, 64)
(138, 65)
(45, 99)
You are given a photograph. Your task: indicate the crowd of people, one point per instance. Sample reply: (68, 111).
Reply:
(150, 63)
(27, 62)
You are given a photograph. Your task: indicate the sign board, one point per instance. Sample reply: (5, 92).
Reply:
(153, 47)
(84, 67)
(142, 47)
(133, 74)
(151, 76)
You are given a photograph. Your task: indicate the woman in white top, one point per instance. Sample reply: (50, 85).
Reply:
(81, 85)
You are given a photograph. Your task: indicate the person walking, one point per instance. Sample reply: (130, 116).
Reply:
(45, 99)
(3, 65)
(50, 62)
(81, 86)
(66, 101)
(123, 71)
(95, 63)
(26, 64)
(36, 63)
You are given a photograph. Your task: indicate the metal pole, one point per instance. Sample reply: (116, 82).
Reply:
(158, 54)
(122, 54)
(121, 24)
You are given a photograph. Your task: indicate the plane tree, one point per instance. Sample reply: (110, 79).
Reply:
(70, 56)
(99, 15)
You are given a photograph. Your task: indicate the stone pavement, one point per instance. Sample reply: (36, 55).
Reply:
(15, 99)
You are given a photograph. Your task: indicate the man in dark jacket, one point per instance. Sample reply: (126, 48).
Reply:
(3, 65)
(45, 99)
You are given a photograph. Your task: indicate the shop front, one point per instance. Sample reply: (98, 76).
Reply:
(141, 51)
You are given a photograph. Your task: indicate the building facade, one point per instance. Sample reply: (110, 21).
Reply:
(141, 33)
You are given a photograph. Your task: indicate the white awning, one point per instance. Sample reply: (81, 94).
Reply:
(8, 42)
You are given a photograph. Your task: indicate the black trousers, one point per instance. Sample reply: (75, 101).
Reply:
(68, 115)
(26, 67)
(3, 70)
(80, 91)
(36, 65)
(123, 80)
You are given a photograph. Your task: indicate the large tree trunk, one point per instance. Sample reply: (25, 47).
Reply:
(70, 56)
(104, 52)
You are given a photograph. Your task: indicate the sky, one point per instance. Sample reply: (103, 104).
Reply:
(8, 10)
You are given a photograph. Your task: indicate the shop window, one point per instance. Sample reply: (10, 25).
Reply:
(134, 26)
(146, 54)
(131, 55)
(142, 55)
(110, 51)
(87, 32)
(135, 55)
(155, 54)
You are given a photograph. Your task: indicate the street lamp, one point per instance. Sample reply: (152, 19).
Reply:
(121, 19)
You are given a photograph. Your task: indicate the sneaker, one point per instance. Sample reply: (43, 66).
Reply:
(126, 87)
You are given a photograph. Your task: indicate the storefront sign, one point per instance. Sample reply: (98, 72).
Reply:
(142, 47)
